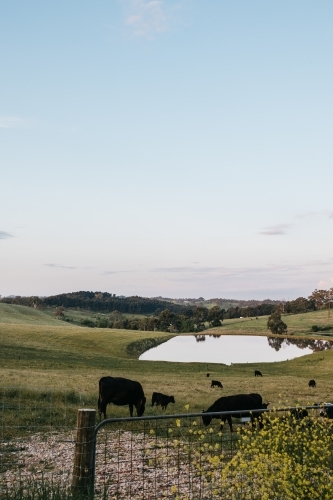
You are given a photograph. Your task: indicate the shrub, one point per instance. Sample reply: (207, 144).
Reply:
(288, 459)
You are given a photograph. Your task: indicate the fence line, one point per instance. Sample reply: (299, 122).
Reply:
(150, 457)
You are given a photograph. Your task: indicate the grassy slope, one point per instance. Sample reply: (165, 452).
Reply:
(37, 351)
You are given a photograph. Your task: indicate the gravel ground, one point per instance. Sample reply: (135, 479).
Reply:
(128, 466)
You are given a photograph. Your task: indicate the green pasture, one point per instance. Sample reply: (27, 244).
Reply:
(39, 352)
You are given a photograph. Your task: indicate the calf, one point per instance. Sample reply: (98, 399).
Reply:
(121, 391)
(257, 373)
(216, 383)
(161, 399)
(237, 402)
(312, 383)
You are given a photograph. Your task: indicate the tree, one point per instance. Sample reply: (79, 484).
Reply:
(322, 298)
(215, 316)
(275, 323)
(59, 312)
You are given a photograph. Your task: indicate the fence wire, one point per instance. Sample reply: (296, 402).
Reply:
(37, 436)
(171, 457)
(161, 457)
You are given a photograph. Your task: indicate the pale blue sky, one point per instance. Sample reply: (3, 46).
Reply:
(179, 148)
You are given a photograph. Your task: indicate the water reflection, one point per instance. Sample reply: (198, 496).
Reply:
(277, 342)
(315, 345)
(231, 349)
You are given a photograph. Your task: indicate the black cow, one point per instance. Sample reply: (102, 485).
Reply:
(237, 402)
(121, 391)
(161, 399)
(254, 414)
(257, 373)
(328, 411)
(216, 383)
(312, 383)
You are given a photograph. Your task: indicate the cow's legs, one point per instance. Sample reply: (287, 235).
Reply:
(229, 422)
(101, 408)
(131, 409)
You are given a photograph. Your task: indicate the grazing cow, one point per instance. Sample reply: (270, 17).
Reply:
(254, 415)
(328, 411)
(207, 374)
(121, 391)
(312, 383)
(237, 402)
(161, 399)
(257, 373)
(216, 383)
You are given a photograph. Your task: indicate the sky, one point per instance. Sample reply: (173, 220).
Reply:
(174, 148)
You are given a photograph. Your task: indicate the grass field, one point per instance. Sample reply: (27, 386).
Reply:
(37, 352)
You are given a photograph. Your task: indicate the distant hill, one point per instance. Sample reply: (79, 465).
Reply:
(102, 302)
(223, 303)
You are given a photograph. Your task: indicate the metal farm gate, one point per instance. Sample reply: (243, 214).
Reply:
(154, 457)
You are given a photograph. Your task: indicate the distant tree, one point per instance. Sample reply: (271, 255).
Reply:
(215, 316)
(275, 323)
(321, 298)
(59, 312)
(199, 317)
(187, 325)
(102, 322)
(300, 305)
(88, 322)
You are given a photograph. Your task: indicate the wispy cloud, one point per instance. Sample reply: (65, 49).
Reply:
(274, 230)
(60, 267)
(148, 18)
(4, 235)
(105, 273)
(14, 122)
(189, 272)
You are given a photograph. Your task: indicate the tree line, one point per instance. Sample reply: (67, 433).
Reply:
(102, 302)
(195, 320)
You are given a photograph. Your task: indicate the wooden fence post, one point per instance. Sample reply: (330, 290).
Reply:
(83, 480)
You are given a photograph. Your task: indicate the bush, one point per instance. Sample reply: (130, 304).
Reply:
(88, 322)
(288, 459)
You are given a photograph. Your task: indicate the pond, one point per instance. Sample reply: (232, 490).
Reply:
(230, 349)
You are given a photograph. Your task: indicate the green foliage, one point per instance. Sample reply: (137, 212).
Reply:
(300, 305)
(100, 302)
(140, 346)
(275, 323)
(88, 322)
(321, 328)
(248, 312)
(322, 298)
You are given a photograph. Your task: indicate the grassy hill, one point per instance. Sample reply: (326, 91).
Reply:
(298, 324)
(38, 351)
(15, 314)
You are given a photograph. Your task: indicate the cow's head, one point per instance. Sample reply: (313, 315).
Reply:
(206, 418)
(140, 406)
